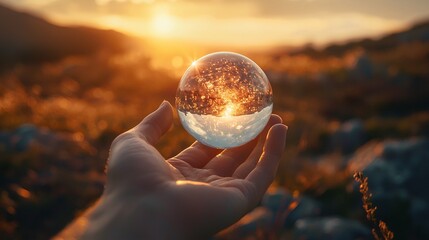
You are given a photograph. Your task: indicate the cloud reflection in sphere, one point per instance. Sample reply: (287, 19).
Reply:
(224, 100)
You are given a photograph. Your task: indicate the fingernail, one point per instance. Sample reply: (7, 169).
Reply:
(163, 103)
(283, 128)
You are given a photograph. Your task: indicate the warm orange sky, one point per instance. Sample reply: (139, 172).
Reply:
(237, 22)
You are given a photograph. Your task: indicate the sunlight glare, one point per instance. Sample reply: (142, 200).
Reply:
(229, 110)
(188, 182)
(162, 24)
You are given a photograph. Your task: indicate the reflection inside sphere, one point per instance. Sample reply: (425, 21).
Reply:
(224, 100)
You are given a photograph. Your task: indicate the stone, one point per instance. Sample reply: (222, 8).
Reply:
(332, 228)
(348, 137)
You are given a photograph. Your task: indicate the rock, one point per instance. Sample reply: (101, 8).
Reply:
(331, 228)
(258, 219)
(303, 208)
(279, 209)
(277, 201)
(363, 67)
(53, 145)
(419, 211)
(26, 135)
(23, 136)
(19, 139)
(400, 165)
(398, 180)
(348, 137)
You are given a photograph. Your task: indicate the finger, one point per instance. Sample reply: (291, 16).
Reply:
(226, 163)
(197, 155)
(265, 171)
(156, 124)
(246, 167)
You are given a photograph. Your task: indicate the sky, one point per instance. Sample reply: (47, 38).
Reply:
(236, 22)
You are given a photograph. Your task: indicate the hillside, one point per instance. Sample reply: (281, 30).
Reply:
(344, 104)
(32, 39)
(416, 33)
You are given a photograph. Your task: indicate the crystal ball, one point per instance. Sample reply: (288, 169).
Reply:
(224, 100)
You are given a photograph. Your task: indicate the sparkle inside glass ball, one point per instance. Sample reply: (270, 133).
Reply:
(224, 100)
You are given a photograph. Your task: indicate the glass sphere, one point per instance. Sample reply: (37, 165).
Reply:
(224, 100)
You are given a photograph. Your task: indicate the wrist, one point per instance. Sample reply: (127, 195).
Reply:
(139, 217)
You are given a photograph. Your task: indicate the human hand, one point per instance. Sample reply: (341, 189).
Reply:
(190, 196)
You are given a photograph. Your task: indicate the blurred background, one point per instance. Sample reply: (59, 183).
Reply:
(350, 79)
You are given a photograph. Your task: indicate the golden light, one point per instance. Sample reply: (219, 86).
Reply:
(162, 24)
(24, 193)
(188, 182)
(229, 110)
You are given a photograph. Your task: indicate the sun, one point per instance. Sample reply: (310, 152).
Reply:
(162, 24)
(229, 110)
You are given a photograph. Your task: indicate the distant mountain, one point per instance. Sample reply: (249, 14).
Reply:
(30, 39)
(417, 33)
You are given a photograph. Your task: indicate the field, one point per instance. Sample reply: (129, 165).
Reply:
(58, 117)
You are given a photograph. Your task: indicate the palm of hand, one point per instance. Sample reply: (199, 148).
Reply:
(202, 189)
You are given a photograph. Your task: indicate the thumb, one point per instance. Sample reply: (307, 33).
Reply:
(156, 124)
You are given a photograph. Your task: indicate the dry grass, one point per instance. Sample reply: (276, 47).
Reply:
(380, 229)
